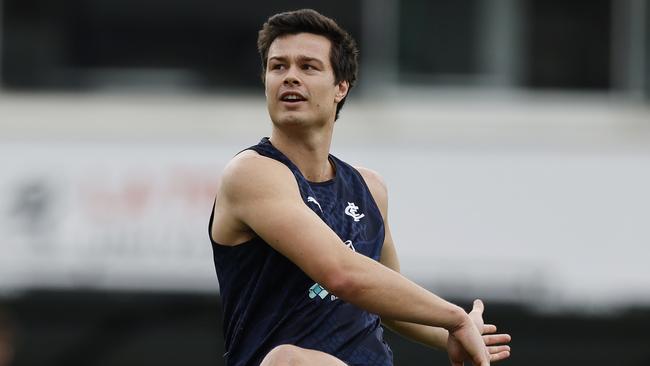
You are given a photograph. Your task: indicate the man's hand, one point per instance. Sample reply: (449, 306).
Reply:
(494, 343)
(465, 343)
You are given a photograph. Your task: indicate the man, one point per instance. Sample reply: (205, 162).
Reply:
(303, 252)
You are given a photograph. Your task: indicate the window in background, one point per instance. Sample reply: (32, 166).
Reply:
(535, 44)
(81, 44)
(568, 44)
(438, 41)
(645, 29)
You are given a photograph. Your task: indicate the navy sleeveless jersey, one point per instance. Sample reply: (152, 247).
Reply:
(268, 301)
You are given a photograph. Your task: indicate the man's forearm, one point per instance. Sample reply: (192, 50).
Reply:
(433, 337)
(380, 290)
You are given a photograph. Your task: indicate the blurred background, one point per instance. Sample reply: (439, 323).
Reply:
(514, 136)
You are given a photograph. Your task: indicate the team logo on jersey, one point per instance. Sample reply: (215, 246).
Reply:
(317, 290)
(351, 210)
(348, 243)
(320, 291)
(312, 199)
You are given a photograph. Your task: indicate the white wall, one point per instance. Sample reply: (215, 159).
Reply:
(541, 199)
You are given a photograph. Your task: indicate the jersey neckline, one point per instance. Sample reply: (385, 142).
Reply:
(330, 158)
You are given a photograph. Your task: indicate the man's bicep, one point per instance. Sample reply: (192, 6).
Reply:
(294, 230)
(268, 201)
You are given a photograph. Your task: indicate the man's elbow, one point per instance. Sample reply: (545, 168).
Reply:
(343, 284)
(345, 275)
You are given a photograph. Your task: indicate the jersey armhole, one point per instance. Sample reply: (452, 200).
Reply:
(374, 203)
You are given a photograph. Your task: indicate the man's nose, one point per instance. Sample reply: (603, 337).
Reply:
(291, 78)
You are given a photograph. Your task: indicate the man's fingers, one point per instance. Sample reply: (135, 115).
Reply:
(498, 349)
(489, 328)
(481, 359)
(480, 362)
(478, 306)
(499, 356)
(493, 339)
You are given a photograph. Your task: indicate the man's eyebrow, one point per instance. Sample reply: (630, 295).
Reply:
(310, 59)
(277, 58)
(300, 58)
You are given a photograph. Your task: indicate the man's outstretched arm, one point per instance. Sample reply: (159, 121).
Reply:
(263, 195)
(434, 337)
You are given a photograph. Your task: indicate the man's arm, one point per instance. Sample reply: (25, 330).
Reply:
(431, 336)
(263, 195)
(435, 337)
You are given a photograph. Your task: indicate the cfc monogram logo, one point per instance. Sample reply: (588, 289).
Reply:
(351, 210)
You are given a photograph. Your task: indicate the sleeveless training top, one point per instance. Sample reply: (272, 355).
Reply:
(267, 300)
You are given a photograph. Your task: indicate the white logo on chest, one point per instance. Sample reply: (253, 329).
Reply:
(312, 199)
(351, 210)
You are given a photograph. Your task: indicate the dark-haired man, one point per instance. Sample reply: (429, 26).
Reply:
(305, 260)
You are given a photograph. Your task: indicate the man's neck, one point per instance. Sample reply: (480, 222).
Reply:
(309, 150)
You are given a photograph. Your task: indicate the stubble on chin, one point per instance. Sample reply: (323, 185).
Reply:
(288, 120)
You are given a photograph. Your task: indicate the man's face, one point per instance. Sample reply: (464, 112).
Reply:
(299, 80)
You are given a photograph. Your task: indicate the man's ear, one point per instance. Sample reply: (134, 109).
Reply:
(342, 90)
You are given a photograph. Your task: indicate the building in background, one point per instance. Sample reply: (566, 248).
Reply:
(532, 45)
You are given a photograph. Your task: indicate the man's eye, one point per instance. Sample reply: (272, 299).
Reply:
(277, 67)
(308, 67)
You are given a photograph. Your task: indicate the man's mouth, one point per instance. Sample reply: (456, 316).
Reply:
(292, 97)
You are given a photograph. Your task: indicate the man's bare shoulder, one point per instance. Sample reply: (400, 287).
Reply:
(372, 178)
(249, 175)
(376, 185)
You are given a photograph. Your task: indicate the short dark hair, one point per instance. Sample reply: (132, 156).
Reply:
(343, 52)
